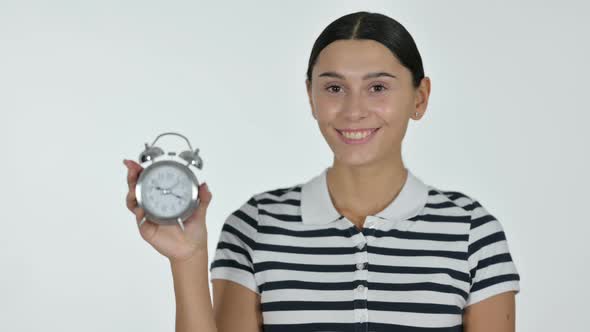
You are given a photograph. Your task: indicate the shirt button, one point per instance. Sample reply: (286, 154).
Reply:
(363, 318)
(360, 288)
(360, 245)
(360, 266)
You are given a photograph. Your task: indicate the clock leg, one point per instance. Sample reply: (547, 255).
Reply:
(180, 224)
(142, 221)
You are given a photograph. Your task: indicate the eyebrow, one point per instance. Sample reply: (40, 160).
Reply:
(367, 76)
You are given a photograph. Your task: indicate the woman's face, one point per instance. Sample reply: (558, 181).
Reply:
(351, 89)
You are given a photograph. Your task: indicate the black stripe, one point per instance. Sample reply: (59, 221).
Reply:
(441, 205)
(252, 202)
(427, 308)
(246, 218)
(264, 266)
(420, 270)
(307, 305)
(245, 239)
(353, 249)
(274, 230)
(442, 218)
(234, 248)
(324, 232)
(230, 263)
(297, 284)
(335, 286)
(501, 258)
(281, 217)
(472, 206)
(494, 280)
(307, 250)
(421, 236)
(487, 240)
(284, 190)
(481, 220)
(289, 201)
(454, 195)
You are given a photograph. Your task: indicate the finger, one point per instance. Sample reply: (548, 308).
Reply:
(133, 171)
(131, 201)
(205, 197)
(139, 214)
(146, 227)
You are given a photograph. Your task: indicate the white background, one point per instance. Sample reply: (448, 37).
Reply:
(85, 84)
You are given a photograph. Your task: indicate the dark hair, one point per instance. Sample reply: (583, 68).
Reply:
(375, 26)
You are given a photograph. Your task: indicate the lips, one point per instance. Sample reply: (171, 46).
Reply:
(353, 130)
(355, 136)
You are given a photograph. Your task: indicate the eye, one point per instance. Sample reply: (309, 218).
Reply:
(333, 86)
(381, 86)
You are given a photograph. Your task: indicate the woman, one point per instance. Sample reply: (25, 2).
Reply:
(363, 246)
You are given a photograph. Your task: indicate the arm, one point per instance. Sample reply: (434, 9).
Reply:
(236, 295)
(494, 314)
(237, 308)
(194, 311)
(494, 277)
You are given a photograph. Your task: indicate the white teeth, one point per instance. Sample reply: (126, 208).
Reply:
(356, 135)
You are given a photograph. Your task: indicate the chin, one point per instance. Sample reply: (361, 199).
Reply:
(356, 159)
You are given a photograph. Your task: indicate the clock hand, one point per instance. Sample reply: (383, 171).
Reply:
(162, 188)
(169, 192)
(177, 195)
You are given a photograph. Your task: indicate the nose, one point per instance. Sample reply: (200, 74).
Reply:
(354, 107)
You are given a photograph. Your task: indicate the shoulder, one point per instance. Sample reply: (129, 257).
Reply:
(465, 201)
(250, 209)
(278, 193)
(278, 196)
(465, 204)
(459, 199)
(278, 203)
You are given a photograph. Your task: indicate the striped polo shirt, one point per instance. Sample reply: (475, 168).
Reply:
(414, 266)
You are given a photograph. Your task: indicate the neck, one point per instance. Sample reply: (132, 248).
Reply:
(359, 191)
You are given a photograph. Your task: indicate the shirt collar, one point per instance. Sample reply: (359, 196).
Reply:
(317, 207)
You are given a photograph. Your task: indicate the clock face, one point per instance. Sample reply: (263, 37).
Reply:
(166, 191)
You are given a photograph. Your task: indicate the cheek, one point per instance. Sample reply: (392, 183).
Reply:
(326, 103)
(326, 109)
(394, 121)
(391, 115)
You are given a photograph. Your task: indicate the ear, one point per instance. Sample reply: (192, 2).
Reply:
(421, 98)
(308, 88)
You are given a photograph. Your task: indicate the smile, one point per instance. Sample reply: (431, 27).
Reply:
(357, 136)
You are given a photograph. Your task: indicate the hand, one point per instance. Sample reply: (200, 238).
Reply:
(170, 240)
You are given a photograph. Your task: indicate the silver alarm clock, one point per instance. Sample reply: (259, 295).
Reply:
(167, 189)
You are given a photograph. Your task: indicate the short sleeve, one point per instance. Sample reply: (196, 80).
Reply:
(233, 259)
(491, 266)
